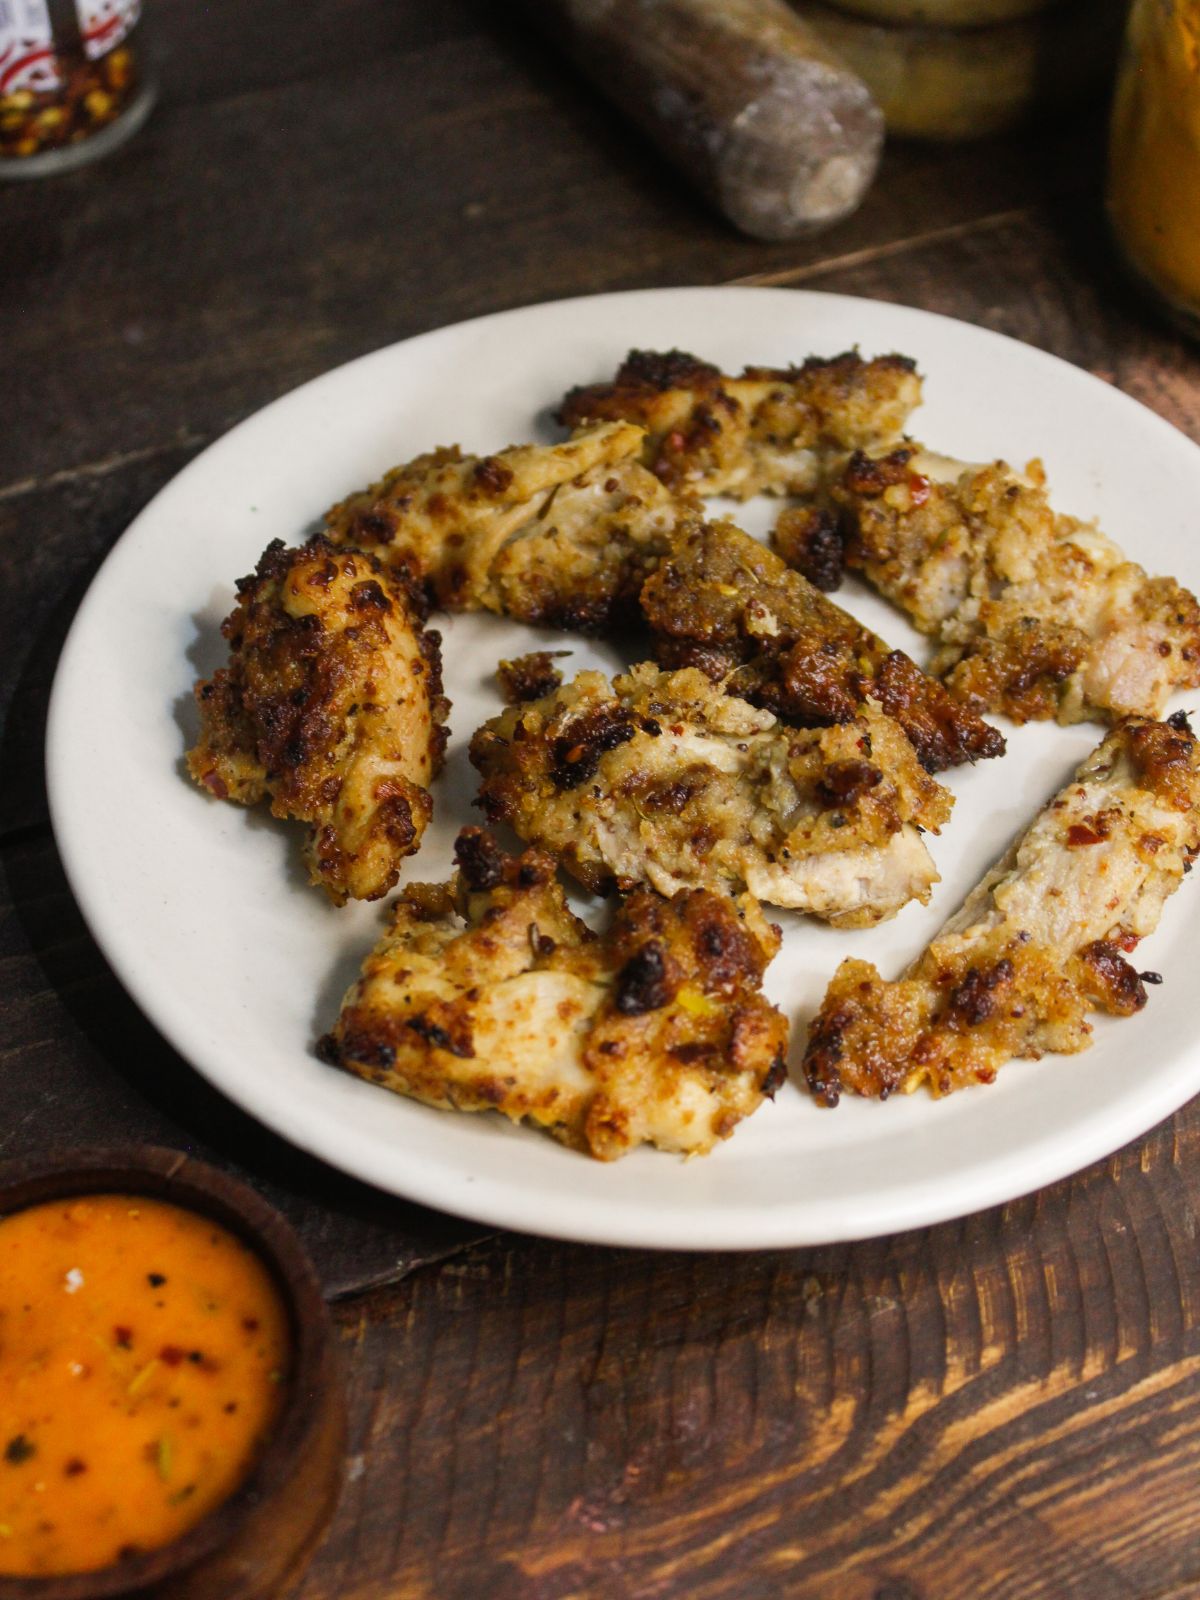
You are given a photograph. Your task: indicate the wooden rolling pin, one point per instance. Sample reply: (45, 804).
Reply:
(745, 99)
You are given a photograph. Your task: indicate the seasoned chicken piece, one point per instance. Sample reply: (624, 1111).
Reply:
(725, 604)
(771, 431)
(1040, 941)
(1038, 615)
(332, 705)
(488, 994)
(560, 535)
(665, 779)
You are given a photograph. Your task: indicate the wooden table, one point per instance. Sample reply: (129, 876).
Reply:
(997, 1409)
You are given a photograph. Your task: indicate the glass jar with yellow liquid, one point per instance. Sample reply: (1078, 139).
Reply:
(1154, 155)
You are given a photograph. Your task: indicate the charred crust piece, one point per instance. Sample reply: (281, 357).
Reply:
(576, 752)
(776, 1078)
(725, 604)
(529, 677)
(661, 370)
(1115, 985)
(872, 475)
(809, 540)
(822, 1058)
(642, 983)
(663, 778)
(453, 1035)
(772, 430)
(978, 993)
(332, 706)
(561, 536)
(1039, 943)
(1037, 614)
(844, 783)
(488, 994)
(431, 649)
(479, 859)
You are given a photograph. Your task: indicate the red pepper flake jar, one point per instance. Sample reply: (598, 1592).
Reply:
(73, 82)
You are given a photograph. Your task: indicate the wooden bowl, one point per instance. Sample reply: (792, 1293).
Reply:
(250, 1544)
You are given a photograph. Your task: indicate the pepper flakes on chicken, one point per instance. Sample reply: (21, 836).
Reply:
(332, 706)
(724, 603)
(488, 994)
(770, 431)
(1038, 615)
(1041, 941)
(560, 536)
(663, 778)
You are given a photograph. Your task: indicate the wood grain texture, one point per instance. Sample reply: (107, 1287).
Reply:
(1006, 1406)
(369, 207)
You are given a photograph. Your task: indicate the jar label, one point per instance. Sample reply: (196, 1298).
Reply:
(104, 23)
(27, 55)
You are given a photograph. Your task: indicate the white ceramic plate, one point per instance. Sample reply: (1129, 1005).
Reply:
(205, 914)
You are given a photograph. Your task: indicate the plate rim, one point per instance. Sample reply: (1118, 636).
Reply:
(480, 1198)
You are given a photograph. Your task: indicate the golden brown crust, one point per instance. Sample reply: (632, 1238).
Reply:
(724, 603)
(559, 536)
(1038, 615)
(1040, 942)
(332, 705)
(772, 430)
(488, 994)
(663, 778)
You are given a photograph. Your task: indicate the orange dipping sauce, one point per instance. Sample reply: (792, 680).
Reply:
(143, 1352)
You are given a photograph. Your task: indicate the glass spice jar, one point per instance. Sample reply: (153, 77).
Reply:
(73, 82)
(1154, 155)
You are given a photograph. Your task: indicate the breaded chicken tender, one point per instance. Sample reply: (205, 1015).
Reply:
(561, 536)
(332, 706)
(488, 994)
(725, 604)
(663, 778)
(771, 431)
(1038, 615)
(1041, 940)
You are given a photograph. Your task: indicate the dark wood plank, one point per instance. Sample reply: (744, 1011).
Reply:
(239, 246)
(80, 1065)
(52, 539)
(225, 47)
(1006, 1408)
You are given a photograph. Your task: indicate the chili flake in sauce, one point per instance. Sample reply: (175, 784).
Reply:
(143, 1349)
